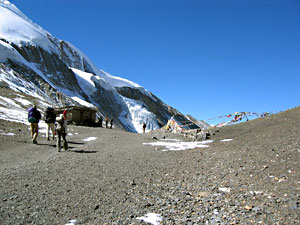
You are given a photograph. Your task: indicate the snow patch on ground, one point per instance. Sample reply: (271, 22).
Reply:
(225, 190)
(89, 139)
(226, 140)
(71, 222)
(171, 145)
(8, 134)
(152, 218)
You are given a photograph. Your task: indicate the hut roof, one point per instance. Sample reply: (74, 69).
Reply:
(80, 108)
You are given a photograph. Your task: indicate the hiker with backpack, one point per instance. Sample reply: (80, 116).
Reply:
(61, 130)
(34, 117)
(50, 120)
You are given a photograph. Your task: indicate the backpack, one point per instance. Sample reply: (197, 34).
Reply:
(33, 116)
(59, 125)
(50, 115)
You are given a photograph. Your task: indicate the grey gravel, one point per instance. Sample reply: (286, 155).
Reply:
(115, 178)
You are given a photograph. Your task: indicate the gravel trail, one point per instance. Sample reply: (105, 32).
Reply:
(110, 177)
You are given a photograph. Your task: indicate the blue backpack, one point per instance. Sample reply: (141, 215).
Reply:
(33, 115)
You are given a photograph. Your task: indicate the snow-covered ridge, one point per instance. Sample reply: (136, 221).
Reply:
(118, 81)
(113, 81)
(13, 8)
(15, 27)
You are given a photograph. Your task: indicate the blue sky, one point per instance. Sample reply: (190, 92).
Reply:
(205, 58)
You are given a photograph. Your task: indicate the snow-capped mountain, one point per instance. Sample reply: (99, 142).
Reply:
(36, 64)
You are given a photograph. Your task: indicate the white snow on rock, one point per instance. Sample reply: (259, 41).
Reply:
(113, 81)
(138, 115)
(85, 81)
(23, 101)
(138, 112)
(17, 28)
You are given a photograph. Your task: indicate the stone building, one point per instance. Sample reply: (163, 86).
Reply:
(79, 115)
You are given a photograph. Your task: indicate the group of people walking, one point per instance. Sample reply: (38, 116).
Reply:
(106, 122)
(57, 125)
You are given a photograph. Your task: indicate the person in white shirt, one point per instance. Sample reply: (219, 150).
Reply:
(61, 131)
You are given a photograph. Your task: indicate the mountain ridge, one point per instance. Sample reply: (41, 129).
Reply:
(57, 68)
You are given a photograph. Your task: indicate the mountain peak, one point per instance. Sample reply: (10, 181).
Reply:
(16, 28)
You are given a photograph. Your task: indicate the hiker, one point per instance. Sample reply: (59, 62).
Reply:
(111, 122)
(106, 122)
(144, 127)
(50, 120)
(61, 131)
(34, 117)
(100, 121)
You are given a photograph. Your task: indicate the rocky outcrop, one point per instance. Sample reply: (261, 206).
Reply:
(162, 111)
(51, 65)
(26, 79)
(154, 104)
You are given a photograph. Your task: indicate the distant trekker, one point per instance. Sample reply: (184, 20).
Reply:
(144, 127)
(100, 121)
(111, 123)
(34, 117)
(106, 122)
(50, 120)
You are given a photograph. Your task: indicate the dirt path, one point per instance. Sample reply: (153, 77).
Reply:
(17, 149)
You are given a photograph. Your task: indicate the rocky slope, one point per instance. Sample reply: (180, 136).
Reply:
(115, 179)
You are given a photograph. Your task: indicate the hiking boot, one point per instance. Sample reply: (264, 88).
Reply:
(65, 145)
(34, 141)
(48, 139)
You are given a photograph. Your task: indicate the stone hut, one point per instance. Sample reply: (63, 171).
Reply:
(79, 115)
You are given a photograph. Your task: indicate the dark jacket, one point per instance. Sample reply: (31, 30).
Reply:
(50, 115)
